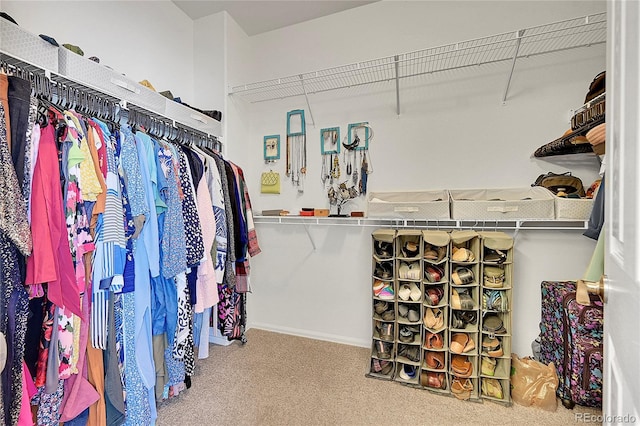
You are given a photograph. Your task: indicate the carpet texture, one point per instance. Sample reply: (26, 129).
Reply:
(277, 379)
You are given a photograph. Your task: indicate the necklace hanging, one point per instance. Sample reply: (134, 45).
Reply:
(335, 170)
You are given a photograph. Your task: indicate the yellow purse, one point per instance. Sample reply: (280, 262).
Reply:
(270, 182)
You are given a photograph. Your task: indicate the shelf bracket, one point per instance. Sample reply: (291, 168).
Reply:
(306, 228)
(397, 66)
(306, 96)
(513, 65)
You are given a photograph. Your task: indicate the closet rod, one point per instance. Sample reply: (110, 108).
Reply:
(25, 68)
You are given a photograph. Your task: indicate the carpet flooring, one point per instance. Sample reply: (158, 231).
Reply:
(278, 379)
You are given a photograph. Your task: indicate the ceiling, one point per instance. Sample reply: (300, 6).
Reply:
(257, 17)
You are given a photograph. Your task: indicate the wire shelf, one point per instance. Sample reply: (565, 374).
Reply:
(554, 37)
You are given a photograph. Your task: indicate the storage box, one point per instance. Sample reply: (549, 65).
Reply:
(573, 208)
(25, 46)
(502, 204)
(408, 205)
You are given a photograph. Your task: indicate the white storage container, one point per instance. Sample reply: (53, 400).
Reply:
(26, 46)
(408, 205)
(502, 204)
(92, 74)
(573, 208)
(192, 118)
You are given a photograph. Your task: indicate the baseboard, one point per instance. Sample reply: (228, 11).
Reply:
(313, 335)
(217, 339)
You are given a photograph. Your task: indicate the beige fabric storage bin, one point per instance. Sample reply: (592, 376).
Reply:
(573, 208)
(502, 204)
(408, 205)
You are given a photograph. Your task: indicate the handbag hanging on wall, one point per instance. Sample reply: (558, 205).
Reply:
(270, 182)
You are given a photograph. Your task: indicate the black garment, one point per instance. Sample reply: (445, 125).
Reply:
(195, 165)
(34, 333)
(596, 221)
(19, 97)
(236, 209)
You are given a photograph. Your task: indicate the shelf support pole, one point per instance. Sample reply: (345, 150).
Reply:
(397, 66)
(306, 228)
(513, 65)
(313, 123)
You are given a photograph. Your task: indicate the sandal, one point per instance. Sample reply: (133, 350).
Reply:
(493, 324)
(381, 367)
(493, 276)
(410, 249)
(434, 295)
(461, 366)
(380, 307)
(434, 318)
(414, 271)
(434, 360)
(461, 254)
(383, 349)
(389, 315)
(433, 341)
(413, 315)
(488, 366)
(406, 335)
(492, 346)
(461, 389)
(386, 331)
(383, 249)
(495, 256)
(461, 300)
(412, 353)
(461, 318)
(383, 270)
(495, 300)
(492, 388)
(462, 275)
(433, 273)
(461, 343)
(432, 379)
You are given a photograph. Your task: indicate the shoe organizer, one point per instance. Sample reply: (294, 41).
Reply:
(383, 369)
(414, 275)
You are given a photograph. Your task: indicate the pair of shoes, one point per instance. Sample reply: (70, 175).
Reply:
(434, 295)
(383, 290)
(410, 352)
(381, 367)
(409, 271)
(408, 372)
(435, 253)
(380, 307)
(462, 275)
(386, 331)
(488, 366)
(493, 324)
(383, 249)
(389, 315)
(495, 300)
(461, 366)
(461, 343)
(461, 388)
(434, 318)
(410, 249)
(461, 318)
(383, 349)
(409, 291)
(434, 360)
(494, 256)
(383, 270)
(493, 276)
(461, 254)
(461, 300)
(433, 273)
(431, 379)
(407, 334)
(492, 388)
(492, 346)
(433, 340)
(406, 312)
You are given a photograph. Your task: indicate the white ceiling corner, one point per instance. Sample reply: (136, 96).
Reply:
(259, 16)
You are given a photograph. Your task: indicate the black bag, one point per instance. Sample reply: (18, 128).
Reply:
(565, 182)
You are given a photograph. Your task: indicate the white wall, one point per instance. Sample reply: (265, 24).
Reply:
(453, 133)
(150, 40)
